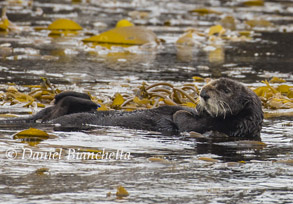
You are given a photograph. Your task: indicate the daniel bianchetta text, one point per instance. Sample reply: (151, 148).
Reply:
(68, 154)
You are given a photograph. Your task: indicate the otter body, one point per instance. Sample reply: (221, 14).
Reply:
(225, 106)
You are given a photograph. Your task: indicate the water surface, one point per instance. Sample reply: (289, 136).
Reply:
(161, 169)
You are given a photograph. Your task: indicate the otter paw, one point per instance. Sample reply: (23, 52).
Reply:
(180, 118)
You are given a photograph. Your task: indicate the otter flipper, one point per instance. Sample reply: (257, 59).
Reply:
(63, 94)
(65, 103)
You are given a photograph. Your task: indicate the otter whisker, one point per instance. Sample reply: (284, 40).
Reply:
(217, 112)
(228, 106)
(216, 107)
(222, 106)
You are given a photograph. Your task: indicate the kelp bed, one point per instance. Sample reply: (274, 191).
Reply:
(149, 96)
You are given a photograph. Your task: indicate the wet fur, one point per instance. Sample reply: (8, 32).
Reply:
(225, 106)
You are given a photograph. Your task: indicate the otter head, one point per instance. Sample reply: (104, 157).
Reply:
(223, 97)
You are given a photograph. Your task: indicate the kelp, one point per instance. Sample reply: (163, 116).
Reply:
(32, 136)
(42, 171)
(121, 192)
(163, 93)
(207, 159)
(212, 40)
(38, 95)
(5, 23)
(279, 97)
(129, 35)
(160, 159)
(258, 23)
(62, 27)
(151, 96)
(64, 24)
(228, 29)
(205, 11)
(147, 96)
(216, 30)
(253, 3)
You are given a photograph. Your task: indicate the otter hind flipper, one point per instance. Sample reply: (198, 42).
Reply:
(63, 94)
(65, 103)
(70, 103)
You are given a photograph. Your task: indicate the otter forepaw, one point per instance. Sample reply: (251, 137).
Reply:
(180, 119)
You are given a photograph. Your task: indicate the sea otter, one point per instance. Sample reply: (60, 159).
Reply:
(225, 106)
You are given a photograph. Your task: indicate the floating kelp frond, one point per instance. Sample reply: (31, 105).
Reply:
(279, 97)
(38, 94)
(162, 93)
(32, 136)
(146, 96)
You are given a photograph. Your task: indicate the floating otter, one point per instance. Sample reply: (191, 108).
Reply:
(225, 106)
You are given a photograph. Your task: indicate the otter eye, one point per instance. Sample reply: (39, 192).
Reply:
(226, 90)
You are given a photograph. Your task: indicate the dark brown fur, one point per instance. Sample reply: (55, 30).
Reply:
(225, 106)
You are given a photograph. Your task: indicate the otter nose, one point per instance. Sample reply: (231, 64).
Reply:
(204, 94)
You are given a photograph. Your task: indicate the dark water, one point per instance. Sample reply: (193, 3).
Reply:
(242, 172)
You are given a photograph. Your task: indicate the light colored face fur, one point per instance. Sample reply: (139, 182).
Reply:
(223, 97)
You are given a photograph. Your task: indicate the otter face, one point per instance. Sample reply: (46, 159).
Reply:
(223, 97)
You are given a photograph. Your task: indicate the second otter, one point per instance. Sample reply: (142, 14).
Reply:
(225, 106)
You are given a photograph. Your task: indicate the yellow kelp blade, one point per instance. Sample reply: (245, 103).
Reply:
(4, 22)
(277, 80)
(217, 29)
(64, 24)
(118, 101)
(32, 136)
(33, 132)
(189, 104)
(198, 79)
(204, 11)
(186, 39)
(124, 23)
(259, 23)
(121, 192)
(284, 89)
(141, 101)
(253, 3)
(42, 171)
(207, 159)
(132, 35)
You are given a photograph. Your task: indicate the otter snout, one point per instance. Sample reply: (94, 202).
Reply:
(204, 94)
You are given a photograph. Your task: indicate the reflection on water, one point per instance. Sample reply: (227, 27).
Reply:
(161, 169)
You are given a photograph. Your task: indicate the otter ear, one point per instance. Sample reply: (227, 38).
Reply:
(246, 99)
